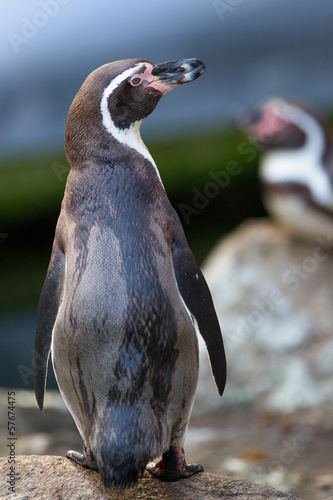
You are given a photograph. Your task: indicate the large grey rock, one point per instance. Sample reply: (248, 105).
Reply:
(57, 477)
(274, 298)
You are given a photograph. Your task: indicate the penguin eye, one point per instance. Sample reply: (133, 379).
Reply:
(136, 80)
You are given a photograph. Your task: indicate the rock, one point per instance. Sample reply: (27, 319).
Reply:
(57, 477)
(273, 295)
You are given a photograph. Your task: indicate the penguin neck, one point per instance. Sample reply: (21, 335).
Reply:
(303, 165)
(315, 137)
(130, 137)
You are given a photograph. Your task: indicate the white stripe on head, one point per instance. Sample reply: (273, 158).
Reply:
(129, 136)
(302, 165)
(315, 140)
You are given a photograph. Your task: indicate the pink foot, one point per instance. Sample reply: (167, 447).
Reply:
(86, 460)
(173, 466)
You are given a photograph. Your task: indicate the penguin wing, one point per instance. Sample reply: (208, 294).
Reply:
(196, 295)
(47, 312)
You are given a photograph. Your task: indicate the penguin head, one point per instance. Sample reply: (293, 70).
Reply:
(280, 124)
(134, 92)
(115, 98)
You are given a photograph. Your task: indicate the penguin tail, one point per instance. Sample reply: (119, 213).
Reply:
(121, 447)
(121, 476)
(120, 464)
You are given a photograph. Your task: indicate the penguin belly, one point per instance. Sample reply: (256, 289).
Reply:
(124, 350)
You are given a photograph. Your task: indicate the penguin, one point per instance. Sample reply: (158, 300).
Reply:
(124, 299)
(296, 168)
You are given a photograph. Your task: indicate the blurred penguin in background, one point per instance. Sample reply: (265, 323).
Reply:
(296, 168)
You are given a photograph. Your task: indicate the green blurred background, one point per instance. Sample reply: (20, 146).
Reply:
(31, 191)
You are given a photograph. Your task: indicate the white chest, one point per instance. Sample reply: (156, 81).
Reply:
(301, 167)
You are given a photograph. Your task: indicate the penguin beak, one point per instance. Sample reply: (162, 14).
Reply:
(167, 76)
(263, 122)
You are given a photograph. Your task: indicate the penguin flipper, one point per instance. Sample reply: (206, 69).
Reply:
(47, 312)
(197, 297)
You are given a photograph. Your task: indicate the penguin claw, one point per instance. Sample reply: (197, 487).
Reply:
(85, 460)
(170, 475)
(172, 466)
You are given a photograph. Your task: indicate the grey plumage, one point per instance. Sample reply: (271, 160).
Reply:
(124, 344)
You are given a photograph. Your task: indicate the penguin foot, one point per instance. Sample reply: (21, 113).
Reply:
(172, 466)
(86, 460)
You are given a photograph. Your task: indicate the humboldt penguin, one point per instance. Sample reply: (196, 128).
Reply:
(123, 298)
(296, 169)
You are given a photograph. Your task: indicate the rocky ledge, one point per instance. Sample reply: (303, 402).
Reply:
(273, 295)
(57, 477)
